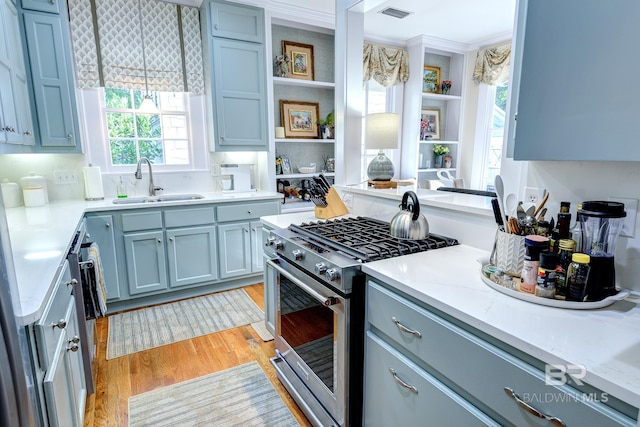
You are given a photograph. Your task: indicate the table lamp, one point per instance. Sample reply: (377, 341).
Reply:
(382, 132)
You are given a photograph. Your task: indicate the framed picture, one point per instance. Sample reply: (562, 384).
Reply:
(430, 124)
(301, 55)
(431, 79)
(299, 118)
(286, 165)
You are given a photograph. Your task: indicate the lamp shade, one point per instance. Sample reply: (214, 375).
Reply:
(382, 131)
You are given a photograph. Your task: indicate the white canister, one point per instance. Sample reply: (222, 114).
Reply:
(33, 180)
(33, 196)
(10, 194)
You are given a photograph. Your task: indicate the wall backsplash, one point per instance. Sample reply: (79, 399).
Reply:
(576, 182)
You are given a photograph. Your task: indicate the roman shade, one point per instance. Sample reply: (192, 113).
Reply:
(108, 45)
(387, 65)
(492, 65)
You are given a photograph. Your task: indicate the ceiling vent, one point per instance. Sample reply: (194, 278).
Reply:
(396, 13)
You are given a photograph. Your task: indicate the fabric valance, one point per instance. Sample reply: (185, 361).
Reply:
(492, 65)
(107, 44)
(386, 65)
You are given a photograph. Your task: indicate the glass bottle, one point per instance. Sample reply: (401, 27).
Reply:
(533, 245)
(546, 283)
(576, 231)
(566, 249)
(577, 276)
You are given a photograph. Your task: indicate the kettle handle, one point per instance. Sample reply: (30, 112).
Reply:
(416, 204)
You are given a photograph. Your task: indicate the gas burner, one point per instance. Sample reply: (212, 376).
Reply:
(366, 239)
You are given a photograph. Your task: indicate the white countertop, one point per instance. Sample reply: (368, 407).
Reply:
(606, 341)
(40, 238)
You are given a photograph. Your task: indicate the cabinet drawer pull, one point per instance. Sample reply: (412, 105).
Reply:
(402, 383)
(60, 324)
(533, 411)
(28, 133)
(72, 282)
(73, 347)
(404, 328)
(69, 136)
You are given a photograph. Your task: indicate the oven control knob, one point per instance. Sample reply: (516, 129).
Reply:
(298, 255)
(270, 241)
(278, 244)
(332, 274)
(321, 268)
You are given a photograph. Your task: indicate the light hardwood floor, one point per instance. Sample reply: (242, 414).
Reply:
(118, 379)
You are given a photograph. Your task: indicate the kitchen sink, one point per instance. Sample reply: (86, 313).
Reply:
(158, 199)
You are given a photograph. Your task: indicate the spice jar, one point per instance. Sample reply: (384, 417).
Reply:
(533, 245)
(546, 283)
(577, 276)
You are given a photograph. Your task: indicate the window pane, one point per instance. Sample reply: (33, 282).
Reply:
(148, 126)
(177, 152)
(174, 126)
(123, 152)
(138, 97)
(120, 125)
(152, 150)
(117, 98)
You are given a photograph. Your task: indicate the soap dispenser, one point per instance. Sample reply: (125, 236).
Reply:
(121, 189)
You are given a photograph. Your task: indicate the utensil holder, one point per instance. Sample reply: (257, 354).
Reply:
(335, 206)
(509, 255)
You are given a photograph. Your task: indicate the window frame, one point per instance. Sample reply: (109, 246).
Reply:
(97, 143)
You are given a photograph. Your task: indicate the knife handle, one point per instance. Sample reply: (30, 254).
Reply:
(497, 214)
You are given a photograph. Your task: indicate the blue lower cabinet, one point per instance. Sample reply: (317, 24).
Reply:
(192, 255)
(234, 241)
(399, 392)
(146, 261)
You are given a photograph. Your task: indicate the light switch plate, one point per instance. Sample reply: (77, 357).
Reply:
(631, 207)
(65, 177)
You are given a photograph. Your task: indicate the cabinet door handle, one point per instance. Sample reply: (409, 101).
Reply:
(402, 383)
(60, 324)
(533, 411)
(159, 240)
(75, 339)
(246, 230)
(405, 329)
(28, 133)
(171, 239)
(73, 347)
(249, 212)
(107, 224)
(69, 136)
(72, 282)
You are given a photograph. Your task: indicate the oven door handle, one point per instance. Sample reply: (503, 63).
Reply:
(326, 301)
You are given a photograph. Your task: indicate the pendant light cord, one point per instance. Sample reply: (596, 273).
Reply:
(144, 59)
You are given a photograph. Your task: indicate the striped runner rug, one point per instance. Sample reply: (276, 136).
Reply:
(239, 396)
(151, 327)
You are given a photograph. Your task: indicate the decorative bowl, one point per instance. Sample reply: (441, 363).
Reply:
(307, 169)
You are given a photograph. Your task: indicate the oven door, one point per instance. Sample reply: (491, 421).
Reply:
(311, 335)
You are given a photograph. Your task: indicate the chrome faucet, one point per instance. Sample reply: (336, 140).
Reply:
(152, 188)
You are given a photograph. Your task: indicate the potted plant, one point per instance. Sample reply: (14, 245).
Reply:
(438, 152)
(327, 125)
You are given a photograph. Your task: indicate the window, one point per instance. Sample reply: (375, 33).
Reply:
(490, 134)
(377, 99)
(162, 138)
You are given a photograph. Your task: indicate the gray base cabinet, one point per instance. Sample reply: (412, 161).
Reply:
(156, 254)
(421, 352)
(57, 358)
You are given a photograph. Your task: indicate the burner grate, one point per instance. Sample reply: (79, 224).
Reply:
(367, 239)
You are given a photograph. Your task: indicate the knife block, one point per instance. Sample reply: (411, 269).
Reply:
(335, 206)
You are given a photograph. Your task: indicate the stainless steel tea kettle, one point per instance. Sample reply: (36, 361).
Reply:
(409, 223)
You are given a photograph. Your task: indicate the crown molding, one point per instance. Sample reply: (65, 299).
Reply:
(438, 43)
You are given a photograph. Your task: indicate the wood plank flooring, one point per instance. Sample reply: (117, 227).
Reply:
(122, 377)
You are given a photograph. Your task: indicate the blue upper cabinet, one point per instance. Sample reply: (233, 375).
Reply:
(50, 63)
(233, 39)
(575, 85)
(236, 22)
(49, 6)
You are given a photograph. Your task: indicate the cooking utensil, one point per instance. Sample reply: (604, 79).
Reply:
(497, 214)
(499, 186)
(520, 212)
(510, 204)
(541, 215)
(542, 203)
(409, 223)
(320, 186)
(325, 182)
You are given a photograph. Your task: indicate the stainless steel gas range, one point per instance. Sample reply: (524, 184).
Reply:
(315, 269)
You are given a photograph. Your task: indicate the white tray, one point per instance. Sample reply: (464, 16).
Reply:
(575, 305)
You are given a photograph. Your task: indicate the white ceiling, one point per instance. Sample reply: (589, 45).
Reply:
(472, 22)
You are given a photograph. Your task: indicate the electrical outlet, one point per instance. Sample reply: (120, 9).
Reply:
(631, 208)
(65, 177)
(531, 195)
